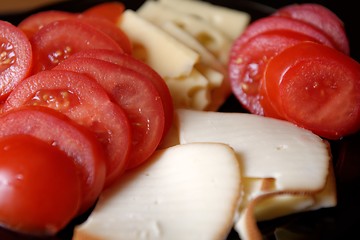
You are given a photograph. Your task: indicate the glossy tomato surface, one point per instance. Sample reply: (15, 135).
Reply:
(83, 100)
(77, 142)
(40, 187)
(335, 223)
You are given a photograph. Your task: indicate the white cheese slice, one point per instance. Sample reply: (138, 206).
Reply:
(183, 192)
(210, 37)
(267, 148)
(168, 56)
(230, 21)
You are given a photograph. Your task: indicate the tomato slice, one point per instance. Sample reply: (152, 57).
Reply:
(53, 43)
(247, 64)
(321, 18)
(84, 101)
(272, 23)
(318, 87)
(111, 30)
(33, 23)
(15, 58)
(135, 94)
(140, 67)
(111, 11)
(39, 186)
(76, 141)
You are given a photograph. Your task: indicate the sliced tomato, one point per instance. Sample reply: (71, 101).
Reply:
(321, 18)
(140, 67)
(40, 186)
(84, 101)
(247, 64)
(111, 30)
(318, 88)
(34, 22)
(111, 11)
(53, 43)
(15, 58)
(135, 94)
(58, 130)
(272, 23)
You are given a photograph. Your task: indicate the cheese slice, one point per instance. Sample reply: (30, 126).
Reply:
(184, 192)
(206, 34)
(168, 56)
(230, 21)
(267, 148)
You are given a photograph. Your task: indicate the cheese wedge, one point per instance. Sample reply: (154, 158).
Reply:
(184, 192)
(210, 37)
(230, 21)
(267, 148)
(285, 169)
(168, 56)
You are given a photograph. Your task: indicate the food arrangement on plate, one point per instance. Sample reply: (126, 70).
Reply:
(167, 120)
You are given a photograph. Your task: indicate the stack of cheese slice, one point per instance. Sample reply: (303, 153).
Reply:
(220, 170)
(190, 52)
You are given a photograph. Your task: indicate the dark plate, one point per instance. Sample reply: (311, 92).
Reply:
(340, 222)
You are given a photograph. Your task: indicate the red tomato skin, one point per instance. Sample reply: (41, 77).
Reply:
(111, 11)
(85, 102)
(247, 64)
(318, 88)
(53, 43)
(33, 23)
(140, 67)
(16, 57)
(76, 141)
(39, 186)
(111, 30)
(135, 94)
(320, 17)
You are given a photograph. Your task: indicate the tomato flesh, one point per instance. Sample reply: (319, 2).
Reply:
(33, 23)
(111, 11)
(247, 64)
(53, 43)
(84, 101)
(318, 88)
(76, 141)
(135, 94)
(321, 18)
(134, 64)
(15, 57)
(39, 186)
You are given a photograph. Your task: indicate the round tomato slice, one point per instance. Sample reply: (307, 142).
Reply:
(76, 141)
(53, 43)
(15, 58)
(111, 30)
(140, 67)
(39, 186)
(247, 64)
(111, 11)
(272, 23)
(321, 18)
(135, 94)
(318, 87)
(33, 23)
(83, 100)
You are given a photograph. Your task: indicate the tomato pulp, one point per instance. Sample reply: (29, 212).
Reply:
(15, 59)
(317, 88)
